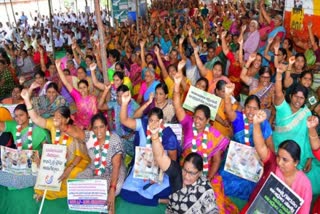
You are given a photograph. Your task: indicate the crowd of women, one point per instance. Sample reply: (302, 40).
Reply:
(240, 53)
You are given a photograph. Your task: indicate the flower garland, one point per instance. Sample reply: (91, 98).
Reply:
(58, 136)
(100, 159)
(204, 142)
(246, 129)
(148, 143)
(18, 136)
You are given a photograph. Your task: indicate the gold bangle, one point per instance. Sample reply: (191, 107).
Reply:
(29, 109)
(314, 136)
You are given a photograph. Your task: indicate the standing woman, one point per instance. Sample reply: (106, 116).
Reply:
(140, 191)
(26, 136)
(77, 158)
(103, 145)
(87, 105)
(242, 133)
(203, 139)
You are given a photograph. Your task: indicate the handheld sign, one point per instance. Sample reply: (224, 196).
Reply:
(196, 97)
(243, 161)
(51, 167)
(87, 195)
(19, 162)
(275, 197)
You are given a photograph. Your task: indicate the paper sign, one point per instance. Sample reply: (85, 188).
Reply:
(176, 128)
(297, 16)
(87, 195)
(196, 97)
(243, 161)
(51, 167)
(145, 167)
(275, 197)
(17, 162)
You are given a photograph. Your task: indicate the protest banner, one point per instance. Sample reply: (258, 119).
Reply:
(87, 195)
(243, 161)
(197, 96)
(145, 167)
(51, 167)
(19, 162)
(275, 197)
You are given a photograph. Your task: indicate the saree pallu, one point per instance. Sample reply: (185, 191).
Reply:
(46, 109)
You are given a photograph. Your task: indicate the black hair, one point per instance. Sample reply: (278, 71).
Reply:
(65, 112)
(99, 116)
(18, 86)
(163, 86)
(220, 84)
(121, 64)
(205, 80)
(66, 70)
(115, 54)
(290, 44)
(284, 53)
(84, 82)
(40, 73)
(53, 85)
(265, 69)
(156, 111)
(292, 148)
(122, 88)
(21, 107)
(90, 57)
(196, 160)
(253, 97)
(205, 109)
(305, 72)
(298, 88)
(119, 74)
(305, 60)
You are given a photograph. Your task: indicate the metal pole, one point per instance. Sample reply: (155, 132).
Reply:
(5, 5)
(51, 29)
(14, 17)
(101, 30)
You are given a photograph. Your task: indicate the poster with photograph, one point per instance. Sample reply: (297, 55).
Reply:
(275, 197)
(23, 162)
(145, 166)
(52, 166)
(243, 161)
(88, 195)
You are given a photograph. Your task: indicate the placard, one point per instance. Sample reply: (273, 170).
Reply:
(197, 96)
(176, 128)
(297, 16)
(19, 162)
(243, 161)
(145, 167)
(51, 167)
(275, 197)
(87, 195)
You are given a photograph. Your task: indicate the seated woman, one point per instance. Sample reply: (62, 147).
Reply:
(148, 86)
(27, 136)
(242, 133)
(77, 158)
(283, 164)
(103, 145)
(203, 139)
(15, 96)
(86, 104)
(140, 191)
(46, 105)
(161, 101)
(186, 182)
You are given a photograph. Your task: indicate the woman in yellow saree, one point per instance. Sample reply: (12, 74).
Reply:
(77, 158)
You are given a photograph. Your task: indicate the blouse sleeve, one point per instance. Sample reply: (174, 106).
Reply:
(116, 146)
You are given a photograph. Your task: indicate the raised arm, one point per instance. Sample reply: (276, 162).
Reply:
(181, 49)
(244, 72)
(231, 114)
(139, 112)
(102, 105)
(63, 77)
(266, 50)
(163, 68)
(311, 36)
(279, 96)
(74, 51)
(259, 142)
(225, 48)
(240, 41)
(142, 54)
(203, 70)
(276, 54)
(312, 124)
(180, 112)
(264, 12)
(42, 63)
(95, 81)
(288, 79)
(37, 119)
(124, 119)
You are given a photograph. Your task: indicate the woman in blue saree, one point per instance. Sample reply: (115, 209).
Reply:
(140, 191)
(243, 133)
(148, 86)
